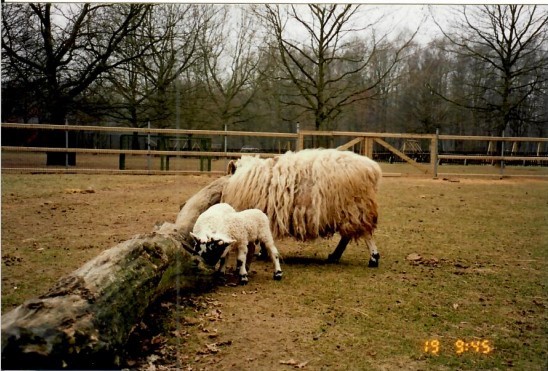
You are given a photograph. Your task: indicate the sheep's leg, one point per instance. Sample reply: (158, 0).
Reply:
(274, 256)
(374, 254)
(222, 264)
(220, 272)
(335, 256)
(263, 252)
(250, 254)
(240, 263)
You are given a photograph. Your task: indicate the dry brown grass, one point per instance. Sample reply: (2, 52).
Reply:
(483, 275)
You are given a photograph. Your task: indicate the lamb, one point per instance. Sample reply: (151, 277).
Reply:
(220, 229)
(309, 194)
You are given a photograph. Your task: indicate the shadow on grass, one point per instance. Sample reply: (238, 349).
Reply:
(310, 260)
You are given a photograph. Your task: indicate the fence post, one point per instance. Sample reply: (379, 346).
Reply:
(502, 154)
(368, 147)
(66, 145)
(300, 138)
(148, 146)
(122, 158)
(434, 153)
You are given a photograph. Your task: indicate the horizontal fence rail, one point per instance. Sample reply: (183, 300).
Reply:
(487, 138)
(133, 152)
(161, 143)
(117, 129)
(492, 158)
(365, 135)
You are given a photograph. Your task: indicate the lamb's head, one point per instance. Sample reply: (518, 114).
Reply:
(211, 248)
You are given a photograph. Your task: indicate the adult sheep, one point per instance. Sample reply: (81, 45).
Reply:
(309, 194)
(220, 229)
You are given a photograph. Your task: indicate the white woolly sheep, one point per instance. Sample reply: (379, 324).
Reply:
(311, 193)
(220, 229)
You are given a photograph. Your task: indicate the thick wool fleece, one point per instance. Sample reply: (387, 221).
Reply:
(222, 222)
(309, 194)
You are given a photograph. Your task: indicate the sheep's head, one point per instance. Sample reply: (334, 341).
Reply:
(211, 248)
(249, 162)
(231, 168)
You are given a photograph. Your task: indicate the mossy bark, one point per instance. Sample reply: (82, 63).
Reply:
(85, 320)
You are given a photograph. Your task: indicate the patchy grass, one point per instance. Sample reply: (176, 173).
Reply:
(482, 275)
(52, 224)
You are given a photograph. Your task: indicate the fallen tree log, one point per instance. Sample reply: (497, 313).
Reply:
(85, 320)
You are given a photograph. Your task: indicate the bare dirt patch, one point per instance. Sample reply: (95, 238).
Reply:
(482, 274)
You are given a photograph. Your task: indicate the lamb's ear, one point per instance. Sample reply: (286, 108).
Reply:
(196, 238)
(231, 168)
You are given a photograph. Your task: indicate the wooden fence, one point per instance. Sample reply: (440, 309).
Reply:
(366, 140)
(360, 142)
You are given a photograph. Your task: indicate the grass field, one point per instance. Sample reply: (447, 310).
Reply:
(461, 259)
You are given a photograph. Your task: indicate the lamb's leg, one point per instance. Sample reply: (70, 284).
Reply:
(263, 253)
(222, 264)
(250, 255)
(335, 256)
(240, 263)
(274, 256)
(374, 254)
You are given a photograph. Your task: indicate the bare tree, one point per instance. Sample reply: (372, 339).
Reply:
(231, 62)
(177, 28)
(143, 88)
(508, 46)
(320, 62)
(272, 90)
(427, 66)
(20, 83)
(62, 49)
(383, 97)
(65, 48)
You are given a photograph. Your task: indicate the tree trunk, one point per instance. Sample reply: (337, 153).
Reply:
(85, 320)
(57, 139)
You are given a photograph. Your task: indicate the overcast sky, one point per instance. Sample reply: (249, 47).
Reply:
(396, 17)
(393, 19)
(414, 15)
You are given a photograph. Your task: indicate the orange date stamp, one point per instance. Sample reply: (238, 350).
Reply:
(436, 346)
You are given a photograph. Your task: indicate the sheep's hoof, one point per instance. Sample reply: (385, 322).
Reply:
(244, 280)
(219, 276)
(374, 261)
(332, 258)
(278, 275)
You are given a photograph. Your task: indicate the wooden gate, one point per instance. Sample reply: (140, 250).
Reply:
(368, 139)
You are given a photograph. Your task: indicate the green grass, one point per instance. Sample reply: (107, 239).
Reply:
(483, 275)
